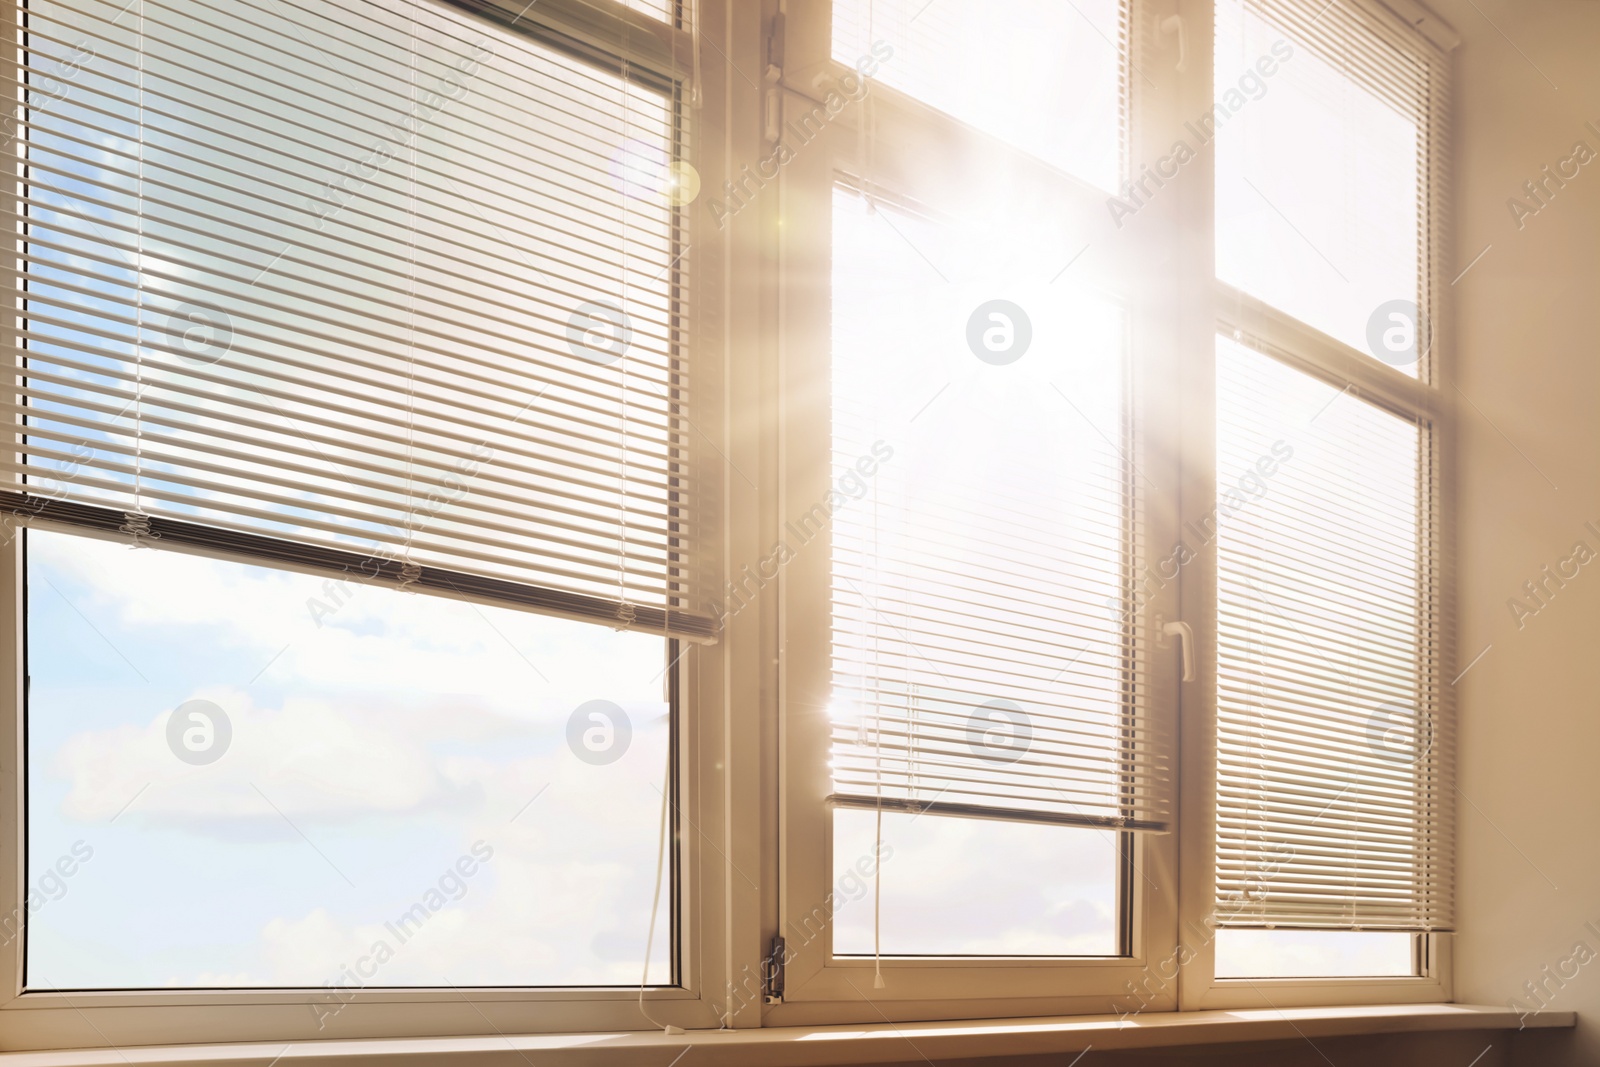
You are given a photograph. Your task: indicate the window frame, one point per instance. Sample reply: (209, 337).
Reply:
(746, 765)
(714, 830)
(1223, 309)
(1171, 966)
(910, 144)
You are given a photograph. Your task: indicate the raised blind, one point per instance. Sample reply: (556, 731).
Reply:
(394, 289)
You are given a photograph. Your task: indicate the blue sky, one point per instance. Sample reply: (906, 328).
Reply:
(376, 748)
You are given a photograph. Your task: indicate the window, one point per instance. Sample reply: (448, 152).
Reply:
(610, 514)
(1325, 763)
(1333, 837)
(1321, 166)
(359, 566)
(977, 671)
(1061, 509)
(968, 693)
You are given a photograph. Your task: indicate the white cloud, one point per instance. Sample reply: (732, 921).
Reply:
(376, 640)
(405, 719)
(313, 759)
(530, 915)
(145, 587)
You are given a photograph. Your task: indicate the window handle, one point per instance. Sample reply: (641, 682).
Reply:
(1174, 24)
(1185, 635)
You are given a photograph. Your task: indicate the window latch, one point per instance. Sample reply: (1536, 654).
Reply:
(1185, 635)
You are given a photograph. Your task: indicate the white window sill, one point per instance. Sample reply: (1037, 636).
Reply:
(803, 1046)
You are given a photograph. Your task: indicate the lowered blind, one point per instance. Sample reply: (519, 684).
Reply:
(1333, 743)
(389, 288)
(987, 523)
(1334, 732)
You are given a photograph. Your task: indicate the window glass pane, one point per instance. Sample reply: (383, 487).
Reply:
(1313, 954)
(971, 887)
(665, 10)
(979, 654)
(1317, 185)
(406, 791)
(1047, 77)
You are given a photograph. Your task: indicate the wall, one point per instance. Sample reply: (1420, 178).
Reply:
(1527, 320)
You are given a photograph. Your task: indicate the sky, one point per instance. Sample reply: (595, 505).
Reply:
(368, 755)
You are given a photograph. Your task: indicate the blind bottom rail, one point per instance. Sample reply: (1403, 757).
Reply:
(461, 585)
(1373, 926)
(980, 811)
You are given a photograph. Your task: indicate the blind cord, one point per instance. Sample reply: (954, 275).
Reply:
(865, 149)
(625, 611)
(877, 895)
(409, 571)
(694, 50)
(877, 829)
(138, 523)
(655, 902)
(864, 157)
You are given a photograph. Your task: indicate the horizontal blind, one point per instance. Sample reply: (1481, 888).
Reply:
(988, 521)
(353, 284)
(1334, 743)
(1367, 44)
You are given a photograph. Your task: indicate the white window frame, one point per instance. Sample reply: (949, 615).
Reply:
(1220, 308)
(1172, 960)
(717, 750)
(755, 855)
(911, 145)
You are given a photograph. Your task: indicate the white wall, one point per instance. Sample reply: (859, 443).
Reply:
(1528, 350)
